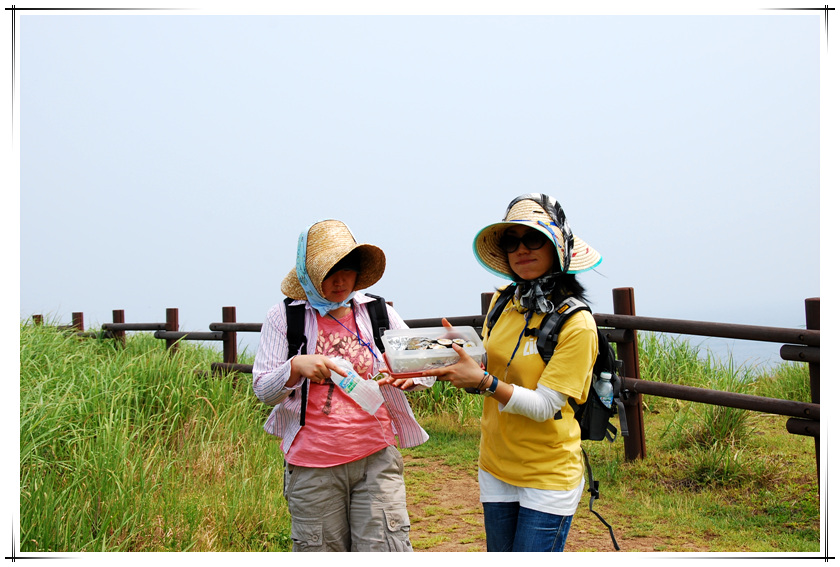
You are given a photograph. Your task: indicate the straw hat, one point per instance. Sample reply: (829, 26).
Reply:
(542, 213)
(327, 242)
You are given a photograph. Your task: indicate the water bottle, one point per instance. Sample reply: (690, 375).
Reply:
(364, 392)
(604, 389)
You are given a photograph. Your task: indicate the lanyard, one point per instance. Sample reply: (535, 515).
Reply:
(357, 333)
(528, 315)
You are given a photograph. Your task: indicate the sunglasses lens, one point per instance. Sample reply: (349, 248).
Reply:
(533, 240)
(509, 243)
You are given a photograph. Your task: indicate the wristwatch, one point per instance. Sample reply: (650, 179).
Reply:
(491, 389)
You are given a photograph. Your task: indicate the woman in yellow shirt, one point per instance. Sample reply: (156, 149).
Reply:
(530, 464)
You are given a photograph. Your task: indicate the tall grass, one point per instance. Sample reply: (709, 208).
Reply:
(136, 449)
(787, 381)
(444, 399)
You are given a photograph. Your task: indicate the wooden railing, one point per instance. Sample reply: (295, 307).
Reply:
(802, 345)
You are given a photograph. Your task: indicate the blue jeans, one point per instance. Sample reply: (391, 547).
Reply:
(510, 527)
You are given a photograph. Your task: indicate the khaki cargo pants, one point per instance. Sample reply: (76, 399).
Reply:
(359, 506)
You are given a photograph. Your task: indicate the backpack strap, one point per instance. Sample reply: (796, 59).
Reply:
(619, 395)
(549, 334)
(594, 494)
(505, 295)
(551, 325)
(295, 331)
(378, 311)
(296, 335)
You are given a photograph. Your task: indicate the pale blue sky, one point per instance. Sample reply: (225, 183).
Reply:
(170, 160)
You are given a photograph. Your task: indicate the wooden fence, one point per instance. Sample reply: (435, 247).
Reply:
(801, 345)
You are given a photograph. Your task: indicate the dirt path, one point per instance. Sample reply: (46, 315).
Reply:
(446, 516)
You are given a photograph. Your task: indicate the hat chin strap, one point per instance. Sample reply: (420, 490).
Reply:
(555, 212)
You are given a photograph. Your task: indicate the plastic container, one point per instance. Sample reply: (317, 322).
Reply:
(406, 353)
(364, 392)
(604, 389)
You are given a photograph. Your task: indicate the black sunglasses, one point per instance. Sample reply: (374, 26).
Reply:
(533, 240)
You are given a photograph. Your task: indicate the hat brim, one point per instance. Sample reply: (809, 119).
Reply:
(495, 260)
(371, 270)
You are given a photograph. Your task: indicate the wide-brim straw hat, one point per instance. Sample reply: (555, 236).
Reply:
(327, 242)
(528, 211)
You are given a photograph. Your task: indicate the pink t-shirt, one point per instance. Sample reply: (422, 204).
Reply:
(337, 430)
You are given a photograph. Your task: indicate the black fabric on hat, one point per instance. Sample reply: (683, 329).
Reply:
(351, 261)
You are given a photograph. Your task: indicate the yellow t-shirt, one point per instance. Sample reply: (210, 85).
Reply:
(515, 448)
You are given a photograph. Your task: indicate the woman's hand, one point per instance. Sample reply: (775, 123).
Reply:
(401, 383)
(466, 373)
(316, 367)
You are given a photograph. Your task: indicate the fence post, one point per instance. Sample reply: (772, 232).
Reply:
(172, 325)
(78, 321)
(229, 337)
(118, 316)
(812, 321)
(38, 319)
(486, 297)
(624, 303)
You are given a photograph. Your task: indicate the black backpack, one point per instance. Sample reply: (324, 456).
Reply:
(592, 416)
(296, 334)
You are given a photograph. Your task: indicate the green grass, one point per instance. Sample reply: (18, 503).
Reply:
(137, 449)
(444, 399)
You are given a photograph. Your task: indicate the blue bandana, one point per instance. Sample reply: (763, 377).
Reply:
(315, 299)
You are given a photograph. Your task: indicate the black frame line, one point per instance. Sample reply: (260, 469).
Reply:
(15, 9)
(825, 9)
(13, 557)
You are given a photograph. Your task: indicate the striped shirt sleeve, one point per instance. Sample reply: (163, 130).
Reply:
(272, 366)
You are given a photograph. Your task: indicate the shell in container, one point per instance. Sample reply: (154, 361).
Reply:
(415, 350)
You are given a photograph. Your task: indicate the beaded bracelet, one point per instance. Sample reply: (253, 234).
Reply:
(483, 380)
(480, 385)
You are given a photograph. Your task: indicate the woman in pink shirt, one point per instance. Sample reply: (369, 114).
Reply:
(344, 474)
